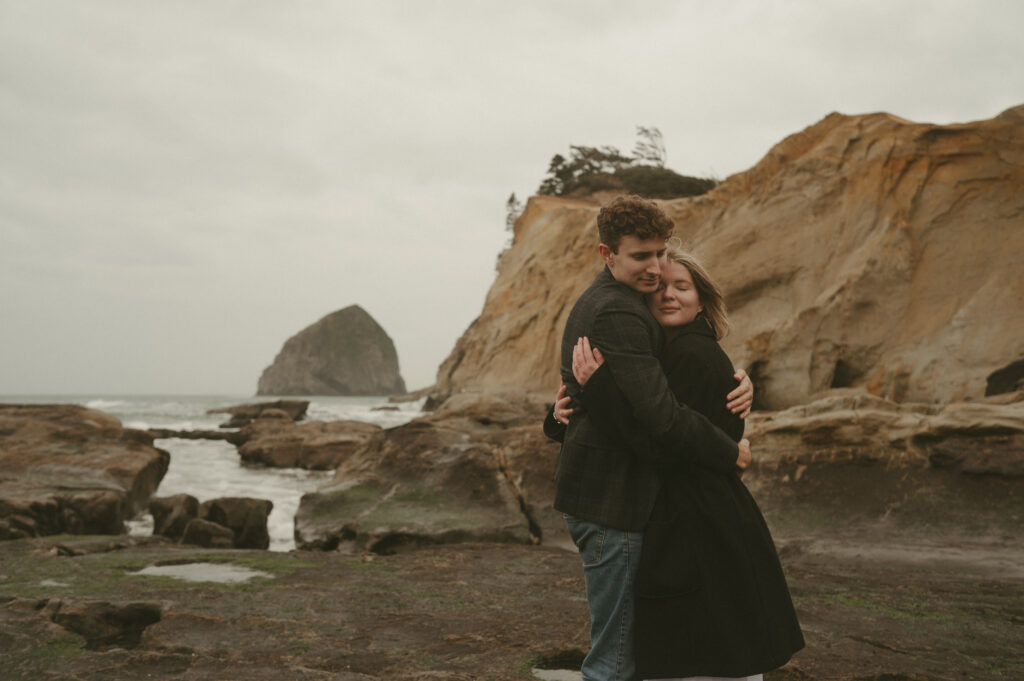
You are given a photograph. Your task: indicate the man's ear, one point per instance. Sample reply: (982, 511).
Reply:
(606, 253)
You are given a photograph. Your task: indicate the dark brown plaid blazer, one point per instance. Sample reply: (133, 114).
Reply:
(608, 469)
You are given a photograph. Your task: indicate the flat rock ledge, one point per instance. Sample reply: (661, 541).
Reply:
(244, 414)
(69, 469)
(315, 445)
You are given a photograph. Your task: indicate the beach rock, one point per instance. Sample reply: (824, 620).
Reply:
(208, 534)
(164, 433)
(245, 517)
(171, 515)
(860, 457)
(315, 445)
(412, 396)
(999, 455)
(528, 459)
(484, 412)
(434, 480)
(244, 414)
(68, 469)
(344, 353)
(835, 252)
(866, 428)
(104, 624)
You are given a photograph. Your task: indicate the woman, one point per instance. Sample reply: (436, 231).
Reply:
(711, 595)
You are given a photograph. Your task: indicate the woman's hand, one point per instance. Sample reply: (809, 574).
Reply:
(739, 400)
(562, 410)
(585, 360)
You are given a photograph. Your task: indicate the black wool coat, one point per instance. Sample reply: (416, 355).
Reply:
(712, 598)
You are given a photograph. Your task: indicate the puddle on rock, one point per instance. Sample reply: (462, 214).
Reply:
(556, 674)
(225, 573)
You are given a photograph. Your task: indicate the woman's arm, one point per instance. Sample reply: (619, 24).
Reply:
(557, 420)
(693, 379)
(699, 374)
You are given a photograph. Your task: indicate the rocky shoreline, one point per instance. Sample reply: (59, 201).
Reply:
(69, 469)
(435, 551)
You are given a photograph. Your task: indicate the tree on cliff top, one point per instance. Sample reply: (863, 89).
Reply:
(650, 147)
(593, 169)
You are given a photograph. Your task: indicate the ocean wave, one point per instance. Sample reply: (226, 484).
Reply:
(105, 404)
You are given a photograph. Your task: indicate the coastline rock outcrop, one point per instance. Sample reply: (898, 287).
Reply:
(344, 353)
(316, 445)
(854, 457)
(443, 478)
(864, 251)
(171, 515)
(245, 517)
(69, 469)
(244, 414)
(227, 522)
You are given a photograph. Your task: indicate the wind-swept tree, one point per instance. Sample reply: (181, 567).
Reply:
(566, 175)
(650, 147)
(588, 170)
(513, 208)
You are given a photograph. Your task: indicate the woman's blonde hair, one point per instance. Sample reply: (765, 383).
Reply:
(710, 294)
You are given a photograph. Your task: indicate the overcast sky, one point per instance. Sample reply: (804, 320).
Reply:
(184, 185)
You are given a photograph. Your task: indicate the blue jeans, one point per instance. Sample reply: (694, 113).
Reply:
(610, 561)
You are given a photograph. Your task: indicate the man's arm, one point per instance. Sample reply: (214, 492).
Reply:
(625, 339)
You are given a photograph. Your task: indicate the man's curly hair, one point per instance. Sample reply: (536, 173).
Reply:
(632, 215)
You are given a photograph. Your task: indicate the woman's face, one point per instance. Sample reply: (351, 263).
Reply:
(676, 301)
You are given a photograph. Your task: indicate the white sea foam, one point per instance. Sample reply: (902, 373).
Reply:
(104, 405)
(212, 469)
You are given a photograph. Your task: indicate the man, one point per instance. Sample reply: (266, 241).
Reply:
(607, 477)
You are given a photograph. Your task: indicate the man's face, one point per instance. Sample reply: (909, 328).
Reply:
(638, 263)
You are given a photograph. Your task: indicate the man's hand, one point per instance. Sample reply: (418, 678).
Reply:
(562, 410)
(744, 459)
(585, 360)
(740, 400)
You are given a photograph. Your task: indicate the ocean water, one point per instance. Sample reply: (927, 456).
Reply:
(208, 469)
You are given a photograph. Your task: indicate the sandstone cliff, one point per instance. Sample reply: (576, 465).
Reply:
(345, 353)
(863, 251)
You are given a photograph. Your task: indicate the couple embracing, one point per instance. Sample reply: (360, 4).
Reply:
(681, 573)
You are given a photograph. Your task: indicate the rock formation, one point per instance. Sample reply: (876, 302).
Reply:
(858, 460)
(244, 414)
(863, 251)
(345, 353)
(316, 445)
(452, 476)
(228, 522)
(68, 469)
(171, 515)
(104, 624)
(245, 518)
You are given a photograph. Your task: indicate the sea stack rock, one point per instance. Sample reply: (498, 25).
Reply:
(345, 353)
